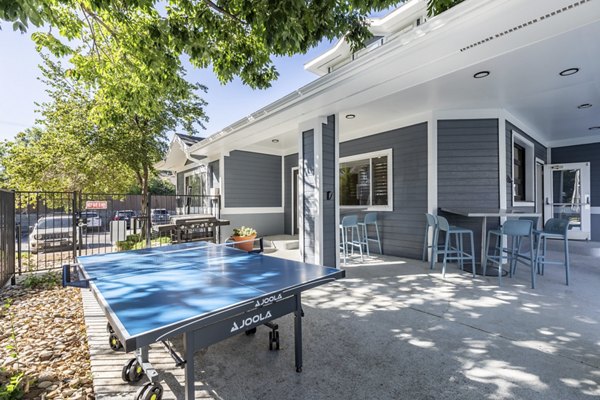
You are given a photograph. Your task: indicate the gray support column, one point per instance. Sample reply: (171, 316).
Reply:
(318, 191)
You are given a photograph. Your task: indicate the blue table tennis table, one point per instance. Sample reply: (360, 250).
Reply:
(201, 291)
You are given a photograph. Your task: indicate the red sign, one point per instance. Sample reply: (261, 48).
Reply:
(96, 205)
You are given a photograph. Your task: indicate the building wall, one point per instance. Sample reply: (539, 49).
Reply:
(585, 153)
(540, 152)
(401, 229)
(329, 185)
(309, 201)
(265, 224)
(468, 170)
(214, 177)
(252, 180)
(289, 162)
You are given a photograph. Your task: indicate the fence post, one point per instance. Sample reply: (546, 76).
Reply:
(75, 233)
(148, 221)
(10, 243)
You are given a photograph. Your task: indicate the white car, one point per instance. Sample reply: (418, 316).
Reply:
(91, 219)
(53, 233)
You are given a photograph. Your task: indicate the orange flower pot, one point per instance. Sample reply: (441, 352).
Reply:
(246, 246)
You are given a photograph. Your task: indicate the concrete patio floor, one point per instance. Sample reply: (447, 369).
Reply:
(393, 329)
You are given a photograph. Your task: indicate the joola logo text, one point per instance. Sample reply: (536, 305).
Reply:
(268, 300)
(250, 321)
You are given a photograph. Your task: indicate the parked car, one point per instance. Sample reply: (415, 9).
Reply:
(53, 233)
(160, 216)
(90, 219)
(124, 215)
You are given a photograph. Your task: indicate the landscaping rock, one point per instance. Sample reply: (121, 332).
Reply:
(50, 341)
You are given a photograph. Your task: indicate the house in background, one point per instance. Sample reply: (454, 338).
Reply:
(492, 104)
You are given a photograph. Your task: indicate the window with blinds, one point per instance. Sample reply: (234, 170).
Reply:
(365, 180)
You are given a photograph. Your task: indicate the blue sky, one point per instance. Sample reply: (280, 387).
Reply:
(20, 87)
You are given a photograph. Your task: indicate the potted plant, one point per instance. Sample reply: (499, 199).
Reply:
(246, 235)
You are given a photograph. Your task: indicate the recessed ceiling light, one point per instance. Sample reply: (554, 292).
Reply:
(582, 106)
(275, 140)
(569, 71)
(594, 128)
(481, 74)
(350, 116)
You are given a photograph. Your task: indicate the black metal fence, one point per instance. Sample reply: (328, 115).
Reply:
(53, 228)
(7, 236)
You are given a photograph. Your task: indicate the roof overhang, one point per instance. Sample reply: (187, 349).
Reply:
(524, 44)
(178, 156)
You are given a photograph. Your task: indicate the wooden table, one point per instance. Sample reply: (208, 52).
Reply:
(484, 215)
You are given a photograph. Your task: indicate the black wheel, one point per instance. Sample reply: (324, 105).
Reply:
(251, 331)
(271, 340)
(109, 328)
(298, 369)
(114, 342)
(150, 391)
(276, 340)
(136, 372)
(126, 369)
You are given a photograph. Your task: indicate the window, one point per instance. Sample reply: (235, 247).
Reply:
(519, 172)
(366, 181)
(523, 170)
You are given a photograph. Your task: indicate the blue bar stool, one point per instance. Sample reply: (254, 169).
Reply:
(516, 231)
(350, 222)
(370, 219)
(431, 223)
(454, 253)
(556, 229)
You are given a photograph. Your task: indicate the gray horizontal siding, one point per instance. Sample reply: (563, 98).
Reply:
(401, 230)
(309, 202)
(540, 152)
(468, 170)
(329, 185)
(289, 162)
(265, 224)
(252, 180)
(584, 153)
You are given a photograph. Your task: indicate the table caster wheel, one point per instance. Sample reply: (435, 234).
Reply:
(274, 340)
(126, 369)
(298, 369)
(150, 391)
(250, 331)
(109, 328)
(114, 342)
(136, 372)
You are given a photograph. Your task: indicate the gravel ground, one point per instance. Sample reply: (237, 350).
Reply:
(50, 339)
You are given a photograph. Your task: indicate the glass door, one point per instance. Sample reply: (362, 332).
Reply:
(567, 196)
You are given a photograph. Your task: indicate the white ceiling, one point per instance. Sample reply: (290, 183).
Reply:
(405, 81)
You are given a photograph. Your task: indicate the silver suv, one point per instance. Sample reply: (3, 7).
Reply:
(160, 216)
(52, 233)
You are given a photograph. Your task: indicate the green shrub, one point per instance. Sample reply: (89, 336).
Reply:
(13, 389)
(43, 281)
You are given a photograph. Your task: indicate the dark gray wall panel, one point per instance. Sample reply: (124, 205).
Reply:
(584, 153)
(540, 152)
(329, 185)
(252, 180)
(401, 230)
(468, 170)
(289, 162)
(265, 224)
(309, 201)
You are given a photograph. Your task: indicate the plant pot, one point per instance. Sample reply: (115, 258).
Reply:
(247, 246)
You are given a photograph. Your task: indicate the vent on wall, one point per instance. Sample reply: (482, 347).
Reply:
(525, 24)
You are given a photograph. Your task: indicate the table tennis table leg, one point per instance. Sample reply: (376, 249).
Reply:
(298, 332)
(190, 379)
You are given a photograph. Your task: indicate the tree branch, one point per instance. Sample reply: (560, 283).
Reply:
(221, 10)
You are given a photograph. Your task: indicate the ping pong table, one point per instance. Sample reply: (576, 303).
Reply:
(201, 291)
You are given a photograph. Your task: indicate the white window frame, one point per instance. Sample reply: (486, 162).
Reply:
(529, 147)
(390, 178)
(200, 170)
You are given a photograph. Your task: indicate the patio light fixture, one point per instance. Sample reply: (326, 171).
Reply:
(275, 140)
(350, 116)
(481, 74)
(569, 71)
(582, 106)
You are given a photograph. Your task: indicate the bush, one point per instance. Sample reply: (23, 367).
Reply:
(136, 242)
(43, 281)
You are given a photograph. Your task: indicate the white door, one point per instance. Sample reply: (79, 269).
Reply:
(567, 195)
